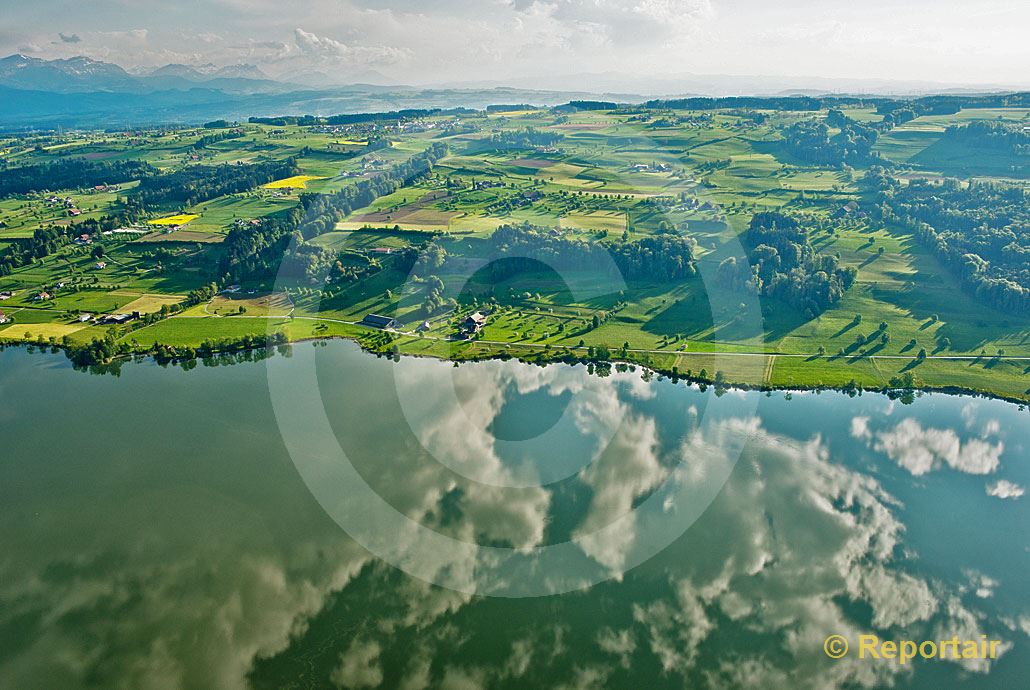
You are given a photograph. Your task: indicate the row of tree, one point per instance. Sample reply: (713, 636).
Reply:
(354, 118)
(660, 257)
(208, 139)
(258, 250)
(196, 183)
(71, 173)
(43, 243)
(782, 264)
(979, 230)
(811, 141)
(983, 134)
(522, 139)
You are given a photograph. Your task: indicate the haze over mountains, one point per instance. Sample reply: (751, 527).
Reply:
(80, 91)
(84, 75)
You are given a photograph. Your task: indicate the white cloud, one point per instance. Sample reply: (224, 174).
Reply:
(965, 624)
(455, 678)
(620, 644)
(445, 40)
(627, 470)
(322, 46)
(921, 450)
(359, 666)
(1003, 489)
(860, 428)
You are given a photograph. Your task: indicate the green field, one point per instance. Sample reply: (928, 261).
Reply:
(611, 177)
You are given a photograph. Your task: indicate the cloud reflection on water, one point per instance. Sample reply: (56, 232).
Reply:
(187, 587)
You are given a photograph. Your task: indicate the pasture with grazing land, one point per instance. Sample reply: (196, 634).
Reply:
(420, 244)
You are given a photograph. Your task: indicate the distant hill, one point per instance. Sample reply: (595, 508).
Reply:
(204, 101)
(84, 75)
(204, 73)
(81, 92)
(64, 76)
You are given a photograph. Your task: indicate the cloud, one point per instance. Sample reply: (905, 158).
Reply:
(793, 544)
(921, 450)
(621, 644)
(965, 624)
(627, 470)
(1004, 489)
(860, 428)
(322, 46)
(982, 585)
(359, 666)
(69, 38)
(638, 20)
(134, 36)
(456, 678)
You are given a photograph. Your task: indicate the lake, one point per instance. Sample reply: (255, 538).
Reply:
(325, 518)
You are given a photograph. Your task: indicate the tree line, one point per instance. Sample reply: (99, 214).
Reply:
(659, 257)
(197, 183)
(978, 230)
(208, 139)
(43, 243)
(810, 141)
(521, 139)
(782, 264)
(991, 135)
(356, 118)
(71, 173)
(258, 250)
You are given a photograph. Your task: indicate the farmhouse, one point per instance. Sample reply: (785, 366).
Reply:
(850, 208)
(6, 294)
(85, 318)
(3, 317)
(42, 297)
(101, 265)
(377, 321)
(118, 319)
(473, 323)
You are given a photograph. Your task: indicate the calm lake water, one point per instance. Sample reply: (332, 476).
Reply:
(312, 520)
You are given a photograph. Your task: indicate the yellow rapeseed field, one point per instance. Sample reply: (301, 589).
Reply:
(180, 219)
(295, 182)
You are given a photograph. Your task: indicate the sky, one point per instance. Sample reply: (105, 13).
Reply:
(449, 41)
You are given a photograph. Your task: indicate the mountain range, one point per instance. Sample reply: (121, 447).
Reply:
(82, 92)
(84, 75)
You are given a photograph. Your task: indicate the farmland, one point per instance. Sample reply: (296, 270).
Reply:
(419, 244)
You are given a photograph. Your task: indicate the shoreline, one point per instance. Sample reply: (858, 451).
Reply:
(554, 356)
